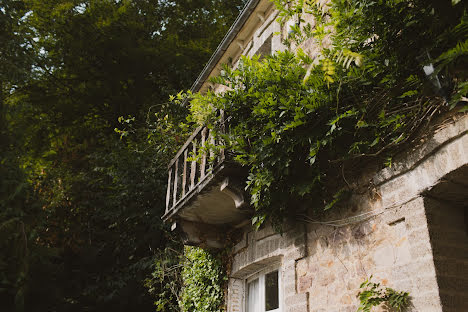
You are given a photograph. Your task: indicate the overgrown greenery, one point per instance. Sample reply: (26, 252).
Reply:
(204, 279)
(166, 282)
(80, 208)
(194, 280)
(303, 123)
(373, 295)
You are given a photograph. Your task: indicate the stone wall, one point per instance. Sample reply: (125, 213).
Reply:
(394, 231)
(259, 249)
(389, 236)
(390, 246)
(403, 232)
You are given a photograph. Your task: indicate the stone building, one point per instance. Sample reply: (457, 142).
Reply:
(409, 231)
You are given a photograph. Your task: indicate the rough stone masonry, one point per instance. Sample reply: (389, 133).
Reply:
(410, 234)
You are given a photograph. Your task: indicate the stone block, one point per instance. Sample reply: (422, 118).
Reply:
(426, 302)
(302, 267)
(295, 253)
(241, 244)
(326, 278)
(416, 221)
(362, 230)
(421, 249)
(340, 236)
(402, 252)
(344, 251)
(400, 273)
(298, 308)
(393, 185)
(239, 260)
(384, 256)
(304, 283)
(346, 300)
(289, 277)
(424, 266)
(289, 266)
(402, 285)
(417, 235)
(264, 232)
(289, 288)
(274, 245)
(440, 163)
(424, 283)
(296, 299)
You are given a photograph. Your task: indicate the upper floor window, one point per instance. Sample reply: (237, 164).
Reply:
(263, 291)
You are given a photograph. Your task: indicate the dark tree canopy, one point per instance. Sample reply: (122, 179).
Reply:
(80, 207)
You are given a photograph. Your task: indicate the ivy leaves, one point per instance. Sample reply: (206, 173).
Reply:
(203, 278)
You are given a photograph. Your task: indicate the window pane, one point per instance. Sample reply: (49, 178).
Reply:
(271, 291)
(253, 304)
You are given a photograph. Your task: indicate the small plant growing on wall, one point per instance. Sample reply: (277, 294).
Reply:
(373, 294)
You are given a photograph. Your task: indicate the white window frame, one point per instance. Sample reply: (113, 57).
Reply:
(260, 275)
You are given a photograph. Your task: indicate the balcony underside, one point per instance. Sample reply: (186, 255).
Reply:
(213, 207)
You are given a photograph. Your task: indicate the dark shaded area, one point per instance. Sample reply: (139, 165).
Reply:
(80, 207)
(446, 211)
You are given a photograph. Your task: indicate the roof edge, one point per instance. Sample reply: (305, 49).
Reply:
(222, 47)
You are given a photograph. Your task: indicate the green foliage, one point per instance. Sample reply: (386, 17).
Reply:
(296, 124)
(17, 207)
(192, 281)
(373, 295)
(165, 283)
(203, 276)
(16, 55)
(80, 208)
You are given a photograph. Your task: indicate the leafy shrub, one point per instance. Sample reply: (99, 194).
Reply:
(203, 279)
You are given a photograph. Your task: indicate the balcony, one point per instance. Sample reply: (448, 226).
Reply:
(205, 197)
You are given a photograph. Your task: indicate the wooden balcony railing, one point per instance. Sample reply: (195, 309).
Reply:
(186, 174)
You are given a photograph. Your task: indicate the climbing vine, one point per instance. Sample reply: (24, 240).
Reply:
(301, 122)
